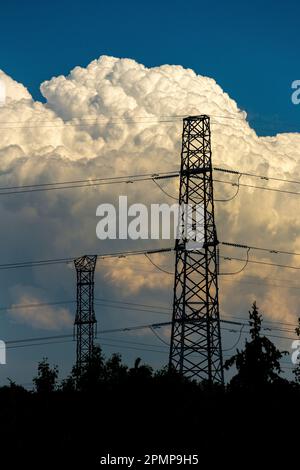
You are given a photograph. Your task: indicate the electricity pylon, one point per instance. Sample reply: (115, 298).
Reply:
(85, 320)
(195, 349)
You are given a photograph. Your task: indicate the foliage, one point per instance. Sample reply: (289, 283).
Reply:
(258, 365)
(46, 380)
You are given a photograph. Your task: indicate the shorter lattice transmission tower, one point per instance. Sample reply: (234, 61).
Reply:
(85, 320)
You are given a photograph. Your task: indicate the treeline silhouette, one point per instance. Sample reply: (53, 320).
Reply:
(109, 407)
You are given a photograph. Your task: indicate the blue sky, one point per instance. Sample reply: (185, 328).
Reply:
(250, 48)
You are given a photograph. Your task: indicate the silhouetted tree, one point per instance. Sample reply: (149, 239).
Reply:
(98, 372)
(46, 380)
(258, 365)
(13, 388)
(115, 371)
(92, 376)
(170, 375)
(69, 384)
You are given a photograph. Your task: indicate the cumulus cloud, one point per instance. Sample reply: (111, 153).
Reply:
(133, 276)
(14, 91)
(105, 120)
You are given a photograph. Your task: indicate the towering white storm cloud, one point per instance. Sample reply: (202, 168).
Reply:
(116, 117)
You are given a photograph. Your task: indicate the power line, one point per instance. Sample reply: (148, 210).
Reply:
(160, 307)
(135, 120)
(107, 120)
(265, 188)
(164, 191)
(158, 337)
(159, 310)
(121, 254)
(124, 254)
(118, 340)
(65, 336)
(158, 267)
(264, 328)
(86, 183)
(240, 270)
(255, 175)
(236, 342)
(134, 309)
(227, 258)
(44, 343)
(267, 335)
(41, 341)
(21, 342)
(90, 182)
(237, 184)
(261, 282)
(116, 344)
(72, 124)
(52, 261)
(257, 248)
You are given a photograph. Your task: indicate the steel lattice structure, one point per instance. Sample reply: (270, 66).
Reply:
(85, 320)
(195, 349)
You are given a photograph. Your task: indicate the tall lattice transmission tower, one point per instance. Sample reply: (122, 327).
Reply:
(85, 320)
(195, 349)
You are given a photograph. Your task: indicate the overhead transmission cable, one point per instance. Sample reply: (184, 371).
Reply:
(124, 254)
(240, 270)
(86, 183)
(155, 177)
(46, 262)
(231, 258)
(35, 340)
(158, 267)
